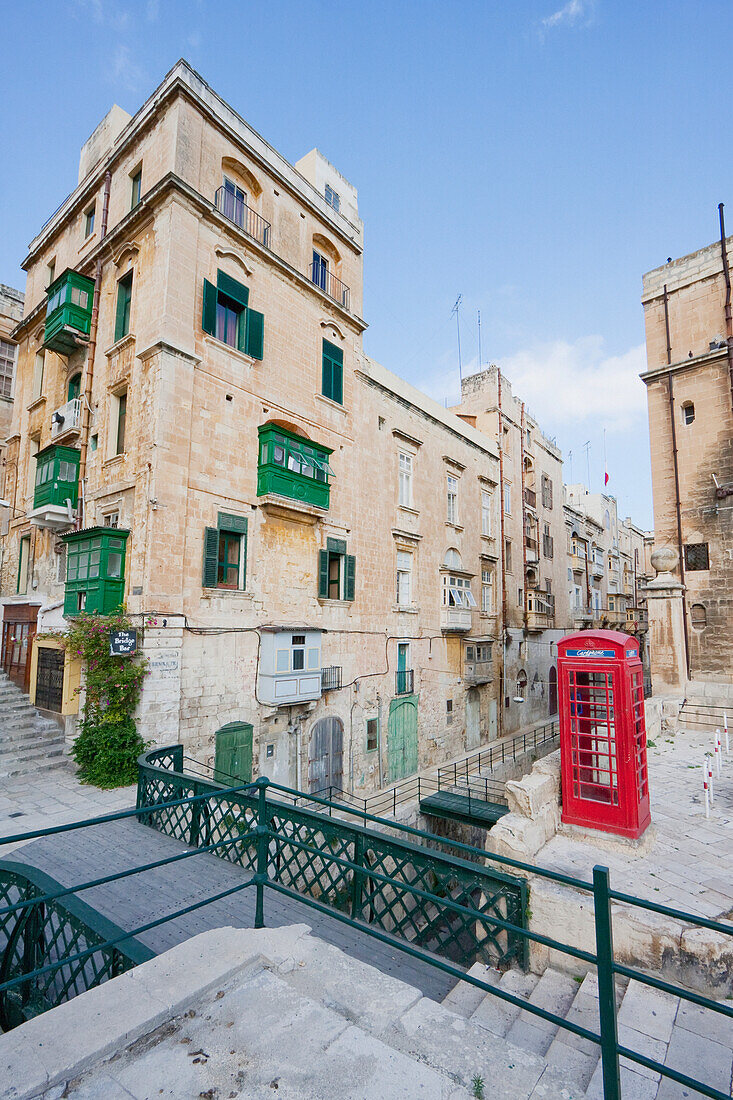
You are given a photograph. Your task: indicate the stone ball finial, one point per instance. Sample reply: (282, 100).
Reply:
(664, 559)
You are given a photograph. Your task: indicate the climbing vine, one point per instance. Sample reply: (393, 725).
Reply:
(108, 744)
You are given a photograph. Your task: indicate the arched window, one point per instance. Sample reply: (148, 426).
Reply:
(74, 387)
(698, 616)
(688, 412)
(452, 559)
(521, 684)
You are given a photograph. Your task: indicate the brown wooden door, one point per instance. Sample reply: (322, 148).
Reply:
(19, 630)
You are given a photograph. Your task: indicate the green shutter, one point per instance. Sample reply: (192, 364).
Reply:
(336, 546)
(234, 290)
(255, 334)
(211, 556)
(227, 522)
(208, 321)
(323, 574)
(350, 582)
(333, 371)
(122, 315)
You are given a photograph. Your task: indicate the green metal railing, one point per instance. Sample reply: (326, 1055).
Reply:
(40, 922)
(265, 808)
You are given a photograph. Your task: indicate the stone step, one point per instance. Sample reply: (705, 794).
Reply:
(497, 1016)
(554, 992)
(22, 719)
(28, 767)
(30, 747)
(575, 1055)
(464, 998)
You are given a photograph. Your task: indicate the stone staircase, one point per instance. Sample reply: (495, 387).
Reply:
(673, 1032)
(28, 741)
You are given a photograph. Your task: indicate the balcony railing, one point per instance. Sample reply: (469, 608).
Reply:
(530, 498)
(540, 610)
(404, 681)
(332, 286)
(67, 418)
(331, 678)
(455, 620)
(237, 211)
(577, 562)
(597, 568)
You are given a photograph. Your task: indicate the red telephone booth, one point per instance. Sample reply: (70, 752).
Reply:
(605, 784)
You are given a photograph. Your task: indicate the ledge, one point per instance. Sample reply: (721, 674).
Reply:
(123, 342)
(36, 403)
(332, 404)
(228, 593)
(292, 509)
(408, 609)
(220, 345)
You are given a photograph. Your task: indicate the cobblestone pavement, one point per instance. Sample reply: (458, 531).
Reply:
(55, 797)
(81, 855)
(690, 863)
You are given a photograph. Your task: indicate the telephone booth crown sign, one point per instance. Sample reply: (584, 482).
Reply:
(605, 784)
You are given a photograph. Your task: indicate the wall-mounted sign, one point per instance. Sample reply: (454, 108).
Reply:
(122, 643)
(590, 653)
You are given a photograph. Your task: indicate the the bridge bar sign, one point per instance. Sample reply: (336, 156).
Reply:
(122, 643)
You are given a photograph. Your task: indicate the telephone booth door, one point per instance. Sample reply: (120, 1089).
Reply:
(602, 733)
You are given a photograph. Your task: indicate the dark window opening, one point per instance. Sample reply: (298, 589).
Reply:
(697, 556)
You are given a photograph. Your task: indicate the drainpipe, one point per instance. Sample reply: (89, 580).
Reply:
(86, 407)
(675, 465)
(500, 442)
(728, 318)
(379, 741)
(524, 530)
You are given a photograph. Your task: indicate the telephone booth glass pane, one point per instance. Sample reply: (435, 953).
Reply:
(637, 699)
(593, 737)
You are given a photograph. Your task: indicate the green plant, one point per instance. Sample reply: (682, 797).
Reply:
(108, 744)
(651, 744)
(477, 1087)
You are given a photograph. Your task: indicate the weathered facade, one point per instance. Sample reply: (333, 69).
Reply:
(11, 311)
(301, 536)
(689, 380)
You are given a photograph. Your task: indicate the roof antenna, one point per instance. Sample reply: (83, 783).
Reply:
(455, 309)
(478, 311)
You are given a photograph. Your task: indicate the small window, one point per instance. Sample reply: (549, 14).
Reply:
(334, 576)
(372, 734)
(485, 513)
(228, 317)
(508, 499)
(404, 578)
(228, 564)
(7, 362)
(405, 479)
(452, 498)
(89, 221)
(94, 442)
(124, 301)
(688, 412)
(697, 556)
(38, 374)
(487, 591)
(73, 389)
(23, 562)
(449, 712)
(470, 653)
(121, 423)
(136, 180)
(111, 519)
(319, 270)
(508, 555)
(698, 616)
(50, 272)
(332, 198)
(297, 650)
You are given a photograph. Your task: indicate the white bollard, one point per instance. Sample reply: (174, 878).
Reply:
(705, 788)
(725, 728)
(709, 766)
(718, 754)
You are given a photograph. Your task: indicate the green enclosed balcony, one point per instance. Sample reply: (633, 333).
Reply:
(68, 312)
(95, 570)
(56, 491)
(294, 467)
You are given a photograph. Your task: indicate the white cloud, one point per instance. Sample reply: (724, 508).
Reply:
(126, 72)
(565, 383)
(569, 15)
(562, 383)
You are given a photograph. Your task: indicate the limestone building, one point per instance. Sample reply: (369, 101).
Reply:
(11, 311)
(689, 380)
(529, 549)
(307, 543)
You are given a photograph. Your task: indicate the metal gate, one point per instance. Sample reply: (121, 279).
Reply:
(325, 755)
(50, 679)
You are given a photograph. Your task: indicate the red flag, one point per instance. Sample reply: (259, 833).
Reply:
(605, 478)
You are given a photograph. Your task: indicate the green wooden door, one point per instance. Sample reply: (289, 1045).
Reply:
(233, 759)
(402, 737)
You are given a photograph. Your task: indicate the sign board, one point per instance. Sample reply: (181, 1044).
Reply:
(590, 653)
(122, 643)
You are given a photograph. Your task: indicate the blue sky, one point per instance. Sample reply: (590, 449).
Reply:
(535, 156)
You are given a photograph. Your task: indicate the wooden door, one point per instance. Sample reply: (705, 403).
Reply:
(19, 630)
(233, 760)
(402, 738)
(325, 756)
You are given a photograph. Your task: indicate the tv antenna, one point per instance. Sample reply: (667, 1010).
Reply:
(455, 309)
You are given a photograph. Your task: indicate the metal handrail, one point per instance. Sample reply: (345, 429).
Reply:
(404, 680)
(236, 210)
(333, 287)
(266, 831)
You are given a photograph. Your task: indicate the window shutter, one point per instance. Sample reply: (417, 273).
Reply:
(211, 556)
(234, 290)
(350, 581)
(336, 546)
(323, 574)
(255, 334)
(333, 370)
(227, 522)
(208, 321)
